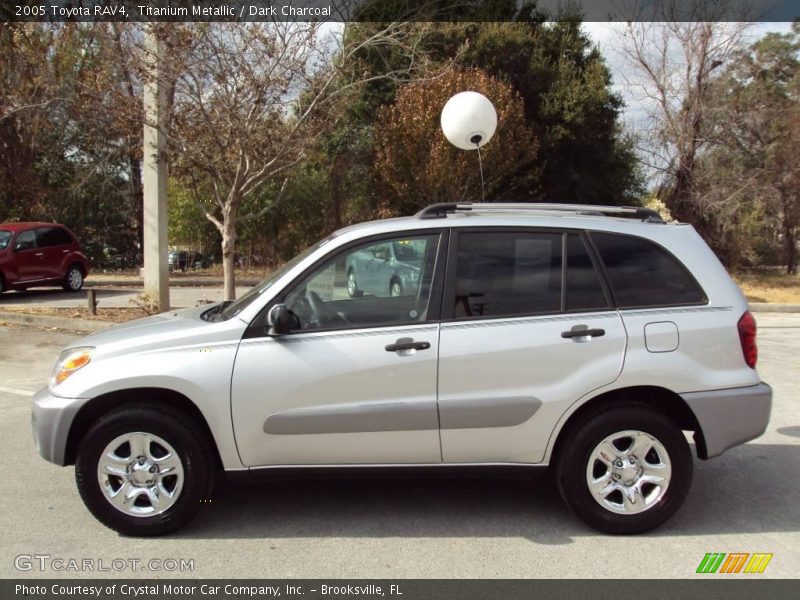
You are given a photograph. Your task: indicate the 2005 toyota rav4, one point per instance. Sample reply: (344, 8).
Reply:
(586, 338)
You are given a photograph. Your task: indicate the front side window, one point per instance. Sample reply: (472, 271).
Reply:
(642, 273)
(506, 274)
(25, 241)
(5, 238)
(378, 283)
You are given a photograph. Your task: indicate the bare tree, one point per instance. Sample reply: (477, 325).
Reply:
(751, 176)
(251, 99)
(671, 66)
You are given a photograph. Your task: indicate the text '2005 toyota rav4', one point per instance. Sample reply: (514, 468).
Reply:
(582, 337)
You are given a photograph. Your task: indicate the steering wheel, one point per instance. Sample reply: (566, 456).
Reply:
(317, 309)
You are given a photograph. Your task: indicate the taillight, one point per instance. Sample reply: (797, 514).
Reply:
(747, 335)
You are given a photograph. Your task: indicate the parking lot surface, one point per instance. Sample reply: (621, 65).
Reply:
(448, 524)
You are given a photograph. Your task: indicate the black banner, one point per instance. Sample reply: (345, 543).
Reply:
(397, 10)
(713, 588)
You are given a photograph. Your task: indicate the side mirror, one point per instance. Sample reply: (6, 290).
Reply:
(281, 320)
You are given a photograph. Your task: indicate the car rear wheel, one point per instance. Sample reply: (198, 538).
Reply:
(352, 285)
(395, 289)
(73, 280)
(625, 470)
(144, 471)
(2, 284)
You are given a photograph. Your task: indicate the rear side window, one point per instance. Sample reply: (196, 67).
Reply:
(584, 289)
(503, 274)
(52, 236)
(642, 273)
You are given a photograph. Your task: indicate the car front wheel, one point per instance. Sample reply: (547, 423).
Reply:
(625, 470)
(143, 471)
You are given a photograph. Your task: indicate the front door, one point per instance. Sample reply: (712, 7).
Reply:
(28, 258)
(355, 383)
(525, 334)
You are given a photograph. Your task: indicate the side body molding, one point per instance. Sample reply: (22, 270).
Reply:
(355, 417)
(471, 413)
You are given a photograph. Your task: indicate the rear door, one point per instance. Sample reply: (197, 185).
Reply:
(528, 329)
(54, 244)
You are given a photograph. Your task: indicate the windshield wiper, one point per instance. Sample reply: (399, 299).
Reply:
(213, 314)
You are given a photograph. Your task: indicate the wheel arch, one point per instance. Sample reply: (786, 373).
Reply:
(661, 399)
(101, 405)
(75, 262)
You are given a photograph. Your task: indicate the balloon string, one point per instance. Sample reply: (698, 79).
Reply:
(480, 168)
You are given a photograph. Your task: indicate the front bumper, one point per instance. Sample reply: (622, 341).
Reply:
(51, 419)
(730, 417)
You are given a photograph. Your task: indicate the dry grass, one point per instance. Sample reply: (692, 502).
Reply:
(775, 288)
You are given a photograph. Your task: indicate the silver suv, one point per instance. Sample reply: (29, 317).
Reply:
(586, 338)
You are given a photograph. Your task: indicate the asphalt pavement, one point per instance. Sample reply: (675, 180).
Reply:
(443, 525)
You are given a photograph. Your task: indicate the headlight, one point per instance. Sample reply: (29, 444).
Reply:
(69, 362)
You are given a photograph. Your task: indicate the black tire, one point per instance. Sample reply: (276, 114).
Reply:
(2, 284)
(574, 455)
(175, 428)
(353, 290)
(73, 278)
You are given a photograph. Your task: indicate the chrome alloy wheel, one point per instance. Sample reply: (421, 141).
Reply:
(140, 474)
(75, 279)
(352, 286)
(628, 472)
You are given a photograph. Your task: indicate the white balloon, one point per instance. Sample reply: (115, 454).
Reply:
(469, 120)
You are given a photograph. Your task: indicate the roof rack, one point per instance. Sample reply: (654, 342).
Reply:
(440, 210)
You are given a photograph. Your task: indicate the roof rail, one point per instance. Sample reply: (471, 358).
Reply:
(443, 209)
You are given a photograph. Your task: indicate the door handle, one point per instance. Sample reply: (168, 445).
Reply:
(407, 344)
(40, 254)
(582, 331)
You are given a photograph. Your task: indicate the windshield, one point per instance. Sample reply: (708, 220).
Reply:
(5, 237)
(254, 293)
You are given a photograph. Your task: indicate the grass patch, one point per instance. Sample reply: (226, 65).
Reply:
(775, 288)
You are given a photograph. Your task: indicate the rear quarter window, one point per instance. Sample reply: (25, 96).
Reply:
(642, 273)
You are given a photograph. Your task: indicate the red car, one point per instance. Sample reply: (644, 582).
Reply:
(40, 254)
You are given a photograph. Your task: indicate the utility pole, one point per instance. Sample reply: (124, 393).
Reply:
(156, 272)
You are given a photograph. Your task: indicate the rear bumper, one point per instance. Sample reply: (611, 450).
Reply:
(729, 417)
(51, 419)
